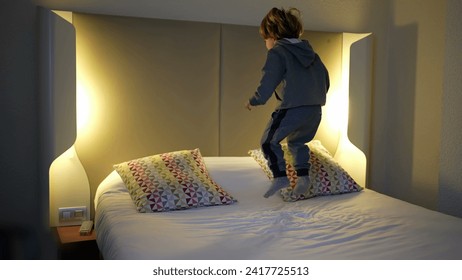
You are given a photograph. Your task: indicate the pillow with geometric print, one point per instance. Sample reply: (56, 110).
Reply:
(171, 181)
(327, 177)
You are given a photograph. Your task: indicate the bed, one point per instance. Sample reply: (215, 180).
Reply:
(358, 225)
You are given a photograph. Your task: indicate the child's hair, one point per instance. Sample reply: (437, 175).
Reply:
(279, 23)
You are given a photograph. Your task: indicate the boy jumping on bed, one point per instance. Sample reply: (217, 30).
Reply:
(291, 64)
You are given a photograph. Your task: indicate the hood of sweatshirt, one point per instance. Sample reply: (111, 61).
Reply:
(300, 49)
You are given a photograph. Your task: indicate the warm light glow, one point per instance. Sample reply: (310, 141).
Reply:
(336, 114)
(347, 154)
(89, 105)
(83, 107)
(337, 111)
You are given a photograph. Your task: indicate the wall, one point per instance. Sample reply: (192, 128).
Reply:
(450, 180)
(415, 141)
(415, 148)
(411, 106)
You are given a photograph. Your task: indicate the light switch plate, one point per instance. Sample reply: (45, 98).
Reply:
(72, 215)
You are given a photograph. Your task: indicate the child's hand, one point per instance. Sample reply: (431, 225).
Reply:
(248, 106)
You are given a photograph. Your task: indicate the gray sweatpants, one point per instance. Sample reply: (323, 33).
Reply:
(299, 125)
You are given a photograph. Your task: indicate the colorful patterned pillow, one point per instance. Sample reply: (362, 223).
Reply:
(327, 177)
(171, 181)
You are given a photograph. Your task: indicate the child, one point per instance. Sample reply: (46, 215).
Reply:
(291, 64)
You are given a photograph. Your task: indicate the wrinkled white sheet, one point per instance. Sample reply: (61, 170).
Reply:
(365, 225)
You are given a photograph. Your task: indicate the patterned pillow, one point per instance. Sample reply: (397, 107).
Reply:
(171, 181)
(327, 177)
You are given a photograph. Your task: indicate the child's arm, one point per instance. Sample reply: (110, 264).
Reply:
(273, 71)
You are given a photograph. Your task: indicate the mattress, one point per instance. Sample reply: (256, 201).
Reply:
(362, 225)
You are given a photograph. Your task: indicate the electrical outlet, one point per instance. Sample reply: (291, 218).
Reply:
(72, 215)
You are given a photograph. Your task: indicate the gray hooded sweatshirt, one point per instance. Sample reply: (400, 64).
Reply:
(293, 66)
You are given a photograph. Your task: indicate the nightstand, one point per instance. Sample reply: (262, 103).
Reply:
(73, 246)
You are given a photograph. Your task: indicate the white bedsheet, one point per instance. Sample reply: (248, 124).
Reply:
(365, 225)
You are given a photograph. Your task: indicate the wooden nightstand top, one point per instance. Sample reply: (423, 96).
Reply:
(71, 234)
